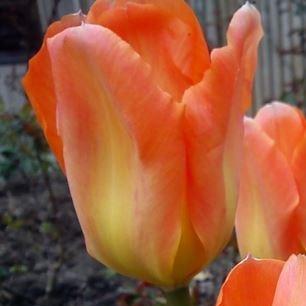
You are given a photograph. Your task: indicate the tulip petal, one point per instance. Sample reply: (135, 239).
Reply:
(214, 116)
(267, 199)
(252, 283)
(298, 168)
(284, 124)
(165, 33)
(38, 84)
(124, 153)
(291, 287)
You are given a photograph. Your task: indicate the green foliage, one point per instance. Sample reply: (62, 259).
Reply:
(18, 269)
(11, 222)
(50, 229)
(22, 146)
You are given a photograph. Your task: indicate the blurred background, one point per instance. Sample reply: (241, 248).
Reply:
(42, 254)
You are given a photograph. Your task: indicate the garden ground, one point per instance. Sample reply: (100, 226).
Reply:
(43, 261)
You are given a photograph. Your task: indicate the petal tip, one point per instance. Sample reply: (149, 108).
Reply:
(249, 256)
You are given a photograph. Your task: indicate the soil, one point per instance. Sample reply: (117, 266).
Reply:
(43, 260)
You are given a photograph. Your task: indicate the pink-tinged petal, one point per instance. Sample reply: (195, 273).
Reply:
(124, 155)
(284, 124)
(214, 127)
(166, 34)
(291, 287)
(39, 87)
(267, 200)
(251, 283)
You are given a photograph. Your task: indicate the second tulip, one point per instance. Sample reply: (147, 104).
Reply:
(271, 214)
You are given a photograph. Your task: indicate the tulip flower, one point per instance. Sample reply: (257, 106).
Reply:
(147, 126)
(271, 214)
(265, 282)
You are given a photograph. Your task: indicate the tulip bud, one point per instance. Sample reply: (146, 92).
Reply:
(148, 129)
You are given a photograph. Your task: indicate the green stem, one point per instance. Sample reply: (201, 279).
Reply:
(178, 297)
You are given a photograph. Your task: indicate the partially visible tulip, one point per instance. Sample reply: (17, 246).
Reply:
(271, 214)
(147, 127)
(266, 282)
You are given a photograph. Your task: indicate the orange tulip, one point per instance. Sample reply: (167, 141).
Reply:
(147, 127)
(271, 214)
(265, 282)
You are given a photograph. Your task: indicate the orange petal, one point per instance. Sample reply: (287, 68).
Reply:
(298, 168)
(38, 84)
(214, 116)
(284, 124)
(267, 200)
(291, 287)
(165, 33)
(251, 283)
(123, 151)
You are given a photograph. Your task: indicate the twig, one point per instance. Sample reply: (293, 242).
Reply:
(53, 211)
